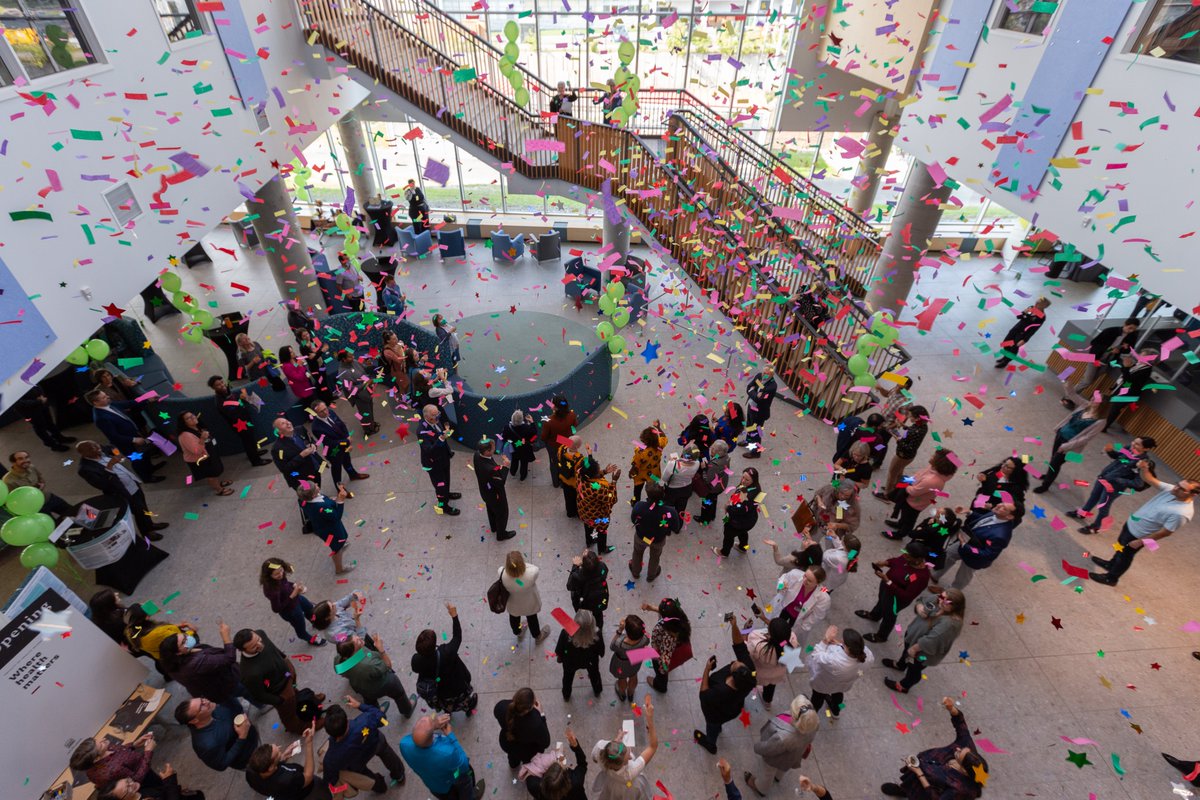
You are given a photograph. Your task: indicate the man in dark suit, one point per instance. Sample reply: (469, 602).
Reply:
(240, 413)
(295, 456)
(491, 476)
(760, 393)
(35, 407)
(435, 458)
(124, 433)
(111, 476)
(333, 433)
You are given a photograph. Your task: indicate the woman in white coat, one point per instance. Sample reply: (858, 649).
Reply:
(782, 745)
(801, 598)
(833, 667)
(520, 579)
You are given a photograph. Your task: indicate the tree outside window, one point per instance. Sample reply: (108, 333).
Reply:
(46, 36)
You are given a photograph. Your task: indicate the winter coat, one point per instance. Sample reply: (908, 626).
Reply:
(523, 599)
(781, 746)
(832, 670)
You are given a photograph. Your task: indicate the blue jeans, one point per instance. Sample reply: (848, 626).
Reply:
(299, 616)
(1104, 498)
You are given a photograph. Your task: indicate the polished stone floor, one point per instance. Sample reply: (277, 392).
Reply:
(1111, 682)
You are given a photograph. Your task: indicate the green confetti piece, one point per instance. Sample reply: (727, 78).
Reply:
(89, 136)
(222, 112)
(163, 58)
(171, 597)
(150, 607)
(87, 232)
(1037, 578)
(1044, 7)
(126, 363)
(192, 515)
(1116, 759)
(464, 75)
(201, 88)
(351, 662)
(1075, 458)
(1152, 121)
(57, 146)
(19, 216)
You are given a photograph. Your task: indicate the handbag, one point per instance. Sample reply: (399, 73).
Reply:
(680, 655)
(701, 484)
(497, 597)
(427, 688)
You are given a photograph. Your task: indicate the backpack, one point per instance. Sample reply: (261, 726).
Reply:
(427, 688)
(497, 597)
(702, 484)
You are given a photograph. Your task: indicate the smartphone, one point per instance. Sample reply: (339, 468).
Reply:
(754, 607)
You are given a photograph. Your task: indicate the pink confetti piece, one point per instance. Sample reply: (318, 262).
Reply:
(987, 746)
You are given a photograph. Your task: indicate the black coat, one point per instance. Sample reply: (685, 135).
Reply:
(295, 467)
(530, 733)
(522, 438)
(233, 409)
(453, 676)
(491, 477)
(655, 521)
(761, 394)
(572, 656)
(102, 478)
(742, 513)
(435, 453)
(589, 590)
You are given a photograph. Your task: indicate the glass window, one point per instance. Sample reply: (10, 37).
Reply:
(765, 56)
(433, 147)
(179, 19)
(396, 157)
(1173, 32)
(480, 184)
(323, 184)
(562, 49)
(712, 70)
(1024, 20)
(663, 63)
(522, 203)
(46, 36)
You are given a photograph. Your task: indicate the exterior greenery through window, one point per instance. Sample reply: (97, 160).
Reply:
(1026, 19)
(45, 36)
(1173, 32)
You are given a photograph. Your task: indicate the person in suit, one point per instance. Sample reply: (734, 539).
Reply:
(113, 476)
(323, 516)
(351, 381)
(418, 208)
(491, 476)
(296, 457)
(761, 393)
(982, 538)
(328, 426)
(240, 413)
(1028, 323)
(123, 432)
(35, 407)
(435, 458)
(1106, 346)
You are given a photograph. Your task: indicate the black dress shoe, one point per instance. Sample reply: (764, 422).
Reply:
(59, 448)
(1101, 562)
(890, 663)
(451, 511)
(1103, 577)
(152, 536)
(895, 687)
(1041, 489)
(158, 526)
(455, 495)
(505, 536)
(893, 790)
(1186, 767)
(259, 463)
(874, 638)
(67, 439)
(1074, 514)
(867, 615)
(1196, 654)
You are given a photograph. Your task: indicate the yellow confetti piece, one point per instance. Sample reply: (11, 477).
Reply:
(575, 343)
(619, 412)
(1065, 163)
(716, 358)
(965, 64)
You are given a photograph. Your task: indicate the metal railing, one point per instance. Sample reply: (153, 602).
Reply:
(679, 199)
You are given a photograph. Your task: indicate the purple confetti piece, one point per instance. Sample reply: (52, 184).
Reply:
(278, 96)
(611, 212)
(34, 368)
(1167, 100)
(189, 164)
(348, 206)
(436, 171)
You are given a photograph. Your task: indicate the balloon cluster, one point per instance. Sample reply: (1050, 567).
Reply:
(29, 527)
(628, 83)
(883, 334)
(351, 246)
(93, 349)
(201, 320)
(301, 174)
(508, 64)
(612, 303)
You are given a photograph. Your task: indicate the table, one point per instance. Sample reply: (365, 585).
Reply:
(127, 724)
(121, 567)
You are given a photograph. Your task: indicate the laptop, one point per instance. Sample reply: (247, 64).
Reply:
(94, 519)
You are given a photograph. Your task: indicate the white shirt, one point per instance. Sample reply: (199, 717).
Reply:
(128, 477)
(833, 670)
(1163, 511)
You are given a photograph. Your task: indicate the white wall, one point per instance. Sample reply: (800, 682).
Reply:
(878, 40)
(139, 137)
(1158, 184)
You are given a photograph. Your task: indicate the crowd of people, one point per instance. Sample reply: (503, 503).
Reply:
(247, 675)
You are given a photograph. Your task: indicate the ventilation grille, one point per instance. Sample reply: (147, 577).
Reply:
(122, 203)
(260, 116)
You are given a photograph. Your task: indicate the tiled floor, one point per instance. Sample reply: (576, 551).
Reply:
(1120, 659)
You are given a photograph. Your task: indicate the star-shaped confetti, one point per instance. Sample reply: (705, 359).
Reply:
(1078, 759)
(1039, 512)
(981, 775)
(113, 310)
(1056, 622)
(650, 352)
(53, 623)
(629, 586)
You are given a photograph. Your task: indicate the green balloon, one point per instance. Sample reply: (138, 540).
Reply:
(867, 342)
(616, 345)
(865, 381)
(633, 83)
(512, 51)
(626, 52)
(343, 222)
(97, 349)
(352, 245)
(41, 554)
(605, 330)
(203, 318)
(20, 531)
(45, 522)
(516, 80)
(24, 500)
(629, 106)
(607, 304)
(3, 492)
(184, 303)
(170, 282)
(193, 334)
(506, 66)
(622, 75)
(858, 364)
(512, 31)
(615, 290)
(522, 97)
(621, 317)
(619, 116)
(78, 356)
(889, 336)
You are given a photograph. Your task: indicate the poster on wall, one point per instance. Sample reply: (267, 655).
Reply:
(61, 679)
(26, 332)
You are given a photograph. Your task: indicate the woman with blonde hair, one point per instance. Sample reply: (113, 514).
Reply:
(580, 650)
(520, 581)
(928, 638)
(783, 744)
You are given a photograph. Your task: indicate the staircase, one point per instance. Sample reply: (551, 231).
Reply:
(714, 215)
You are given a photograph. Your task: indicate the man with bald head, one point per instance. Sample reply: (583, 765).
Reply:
(435, 458)
(295, 456)
(113, 475)
(433, 752)
(983, 536)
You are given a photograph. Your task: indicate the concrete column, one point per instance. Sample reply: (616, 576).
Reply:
(357, 159)
(879, 145)
(913, 224)
(285, 245)
(616, 233)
